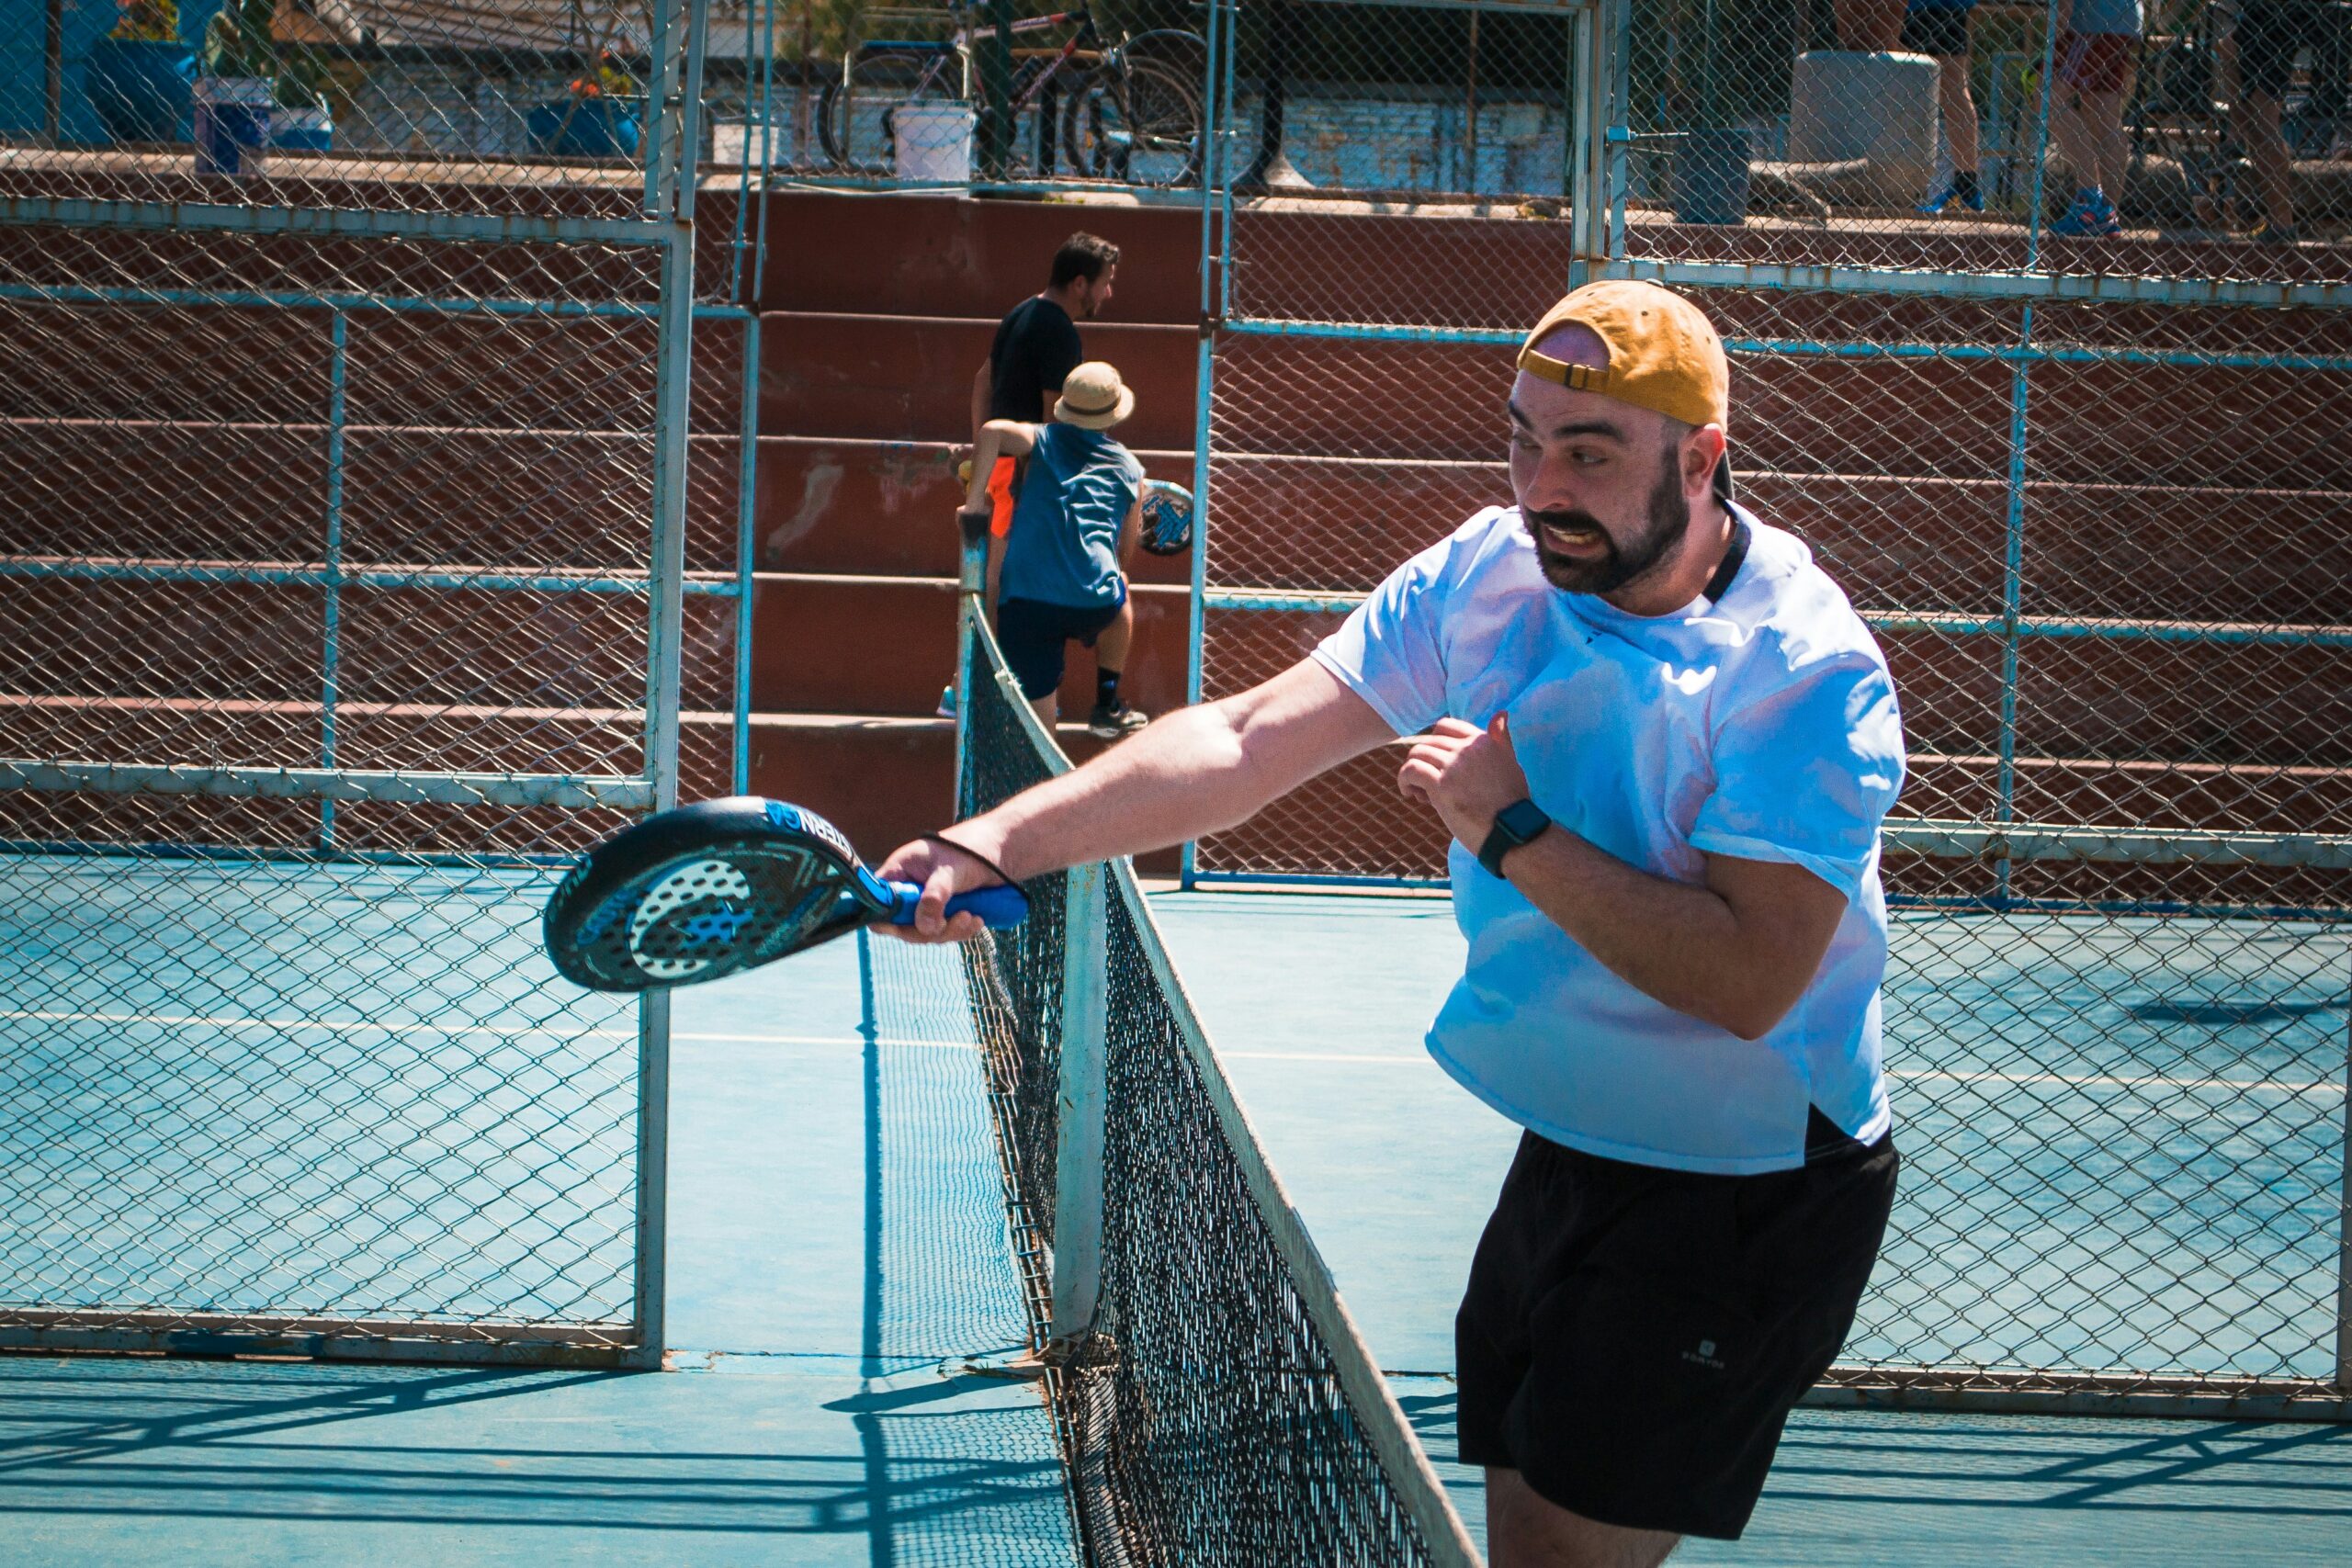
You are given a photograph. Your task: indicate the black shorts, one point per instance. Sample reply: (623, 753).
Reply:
(2270, 33)
(1940, 31)
(1633, 1339)
(1033, 636)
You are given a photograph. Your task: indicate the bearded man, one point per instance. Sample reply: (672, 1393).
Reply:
(1663, 743)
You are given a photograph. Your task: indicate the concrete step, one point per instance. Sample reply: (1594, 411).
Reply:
(213, 642)
(887, 507)
(887, 644)
(910, 378)
(955, 256)
(2215, 703)
(881, 779)
(479, 371)
(2151, 425)
(2164, 552)
(510, 499)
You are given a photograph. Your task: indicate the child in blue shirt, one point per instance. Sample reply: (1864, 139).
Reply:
(1074, 523)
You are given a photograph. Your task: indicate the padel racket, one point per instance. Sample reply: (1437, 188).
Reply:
(1167, 518)
(721, 887)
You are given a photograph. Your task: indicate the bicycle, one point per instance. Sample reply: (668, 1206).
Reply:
(2180, 111)
(1126, 112)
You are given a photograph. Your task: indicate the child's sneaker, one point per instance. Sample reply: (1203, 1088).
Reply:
(1114, 721)
(946, 708)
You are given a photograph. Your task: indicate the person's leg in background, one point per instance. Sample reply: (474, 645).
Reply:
(2095, 75)
(2268, 37)
(1035, 643)
(1943, 31)
(1112, 716)
(2261, 128)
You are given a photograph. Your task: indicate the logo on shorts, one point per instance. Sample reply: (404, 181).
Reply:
(1705, 1355)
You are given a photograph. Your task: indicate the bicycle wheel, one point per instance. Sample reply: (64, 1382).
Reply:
(2179, 137)
(853, 111)
(1140, 122)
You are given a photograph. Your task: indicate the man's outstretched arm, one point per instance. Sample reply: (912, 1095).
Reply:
(1198, 771)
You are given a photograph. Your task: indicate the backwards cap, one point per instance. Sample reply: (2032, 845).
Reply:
(1664, 354)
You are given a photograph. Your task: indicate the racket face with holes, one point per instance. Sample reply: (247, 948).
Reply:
(1167, 518)
(707, 891)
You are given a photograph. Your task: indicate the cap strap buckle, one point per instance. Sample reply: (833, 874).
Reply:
(1580, 377)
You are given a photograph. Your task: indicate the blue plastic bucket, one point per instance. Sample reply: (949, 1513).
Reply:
(232, 124)
(585, 127)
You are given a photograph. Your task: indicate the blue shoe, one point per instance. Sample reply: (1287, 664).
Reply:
(2092, 216)
(1947, 197)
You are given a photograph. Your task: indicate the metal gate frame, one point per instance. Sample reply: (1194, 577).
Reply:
(667, 228)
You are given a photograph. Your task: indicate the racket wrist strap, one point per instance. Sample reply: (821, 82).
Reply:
(995, 870)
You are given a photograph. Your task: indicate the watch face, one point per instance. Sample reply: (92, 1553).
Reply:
(1524, 819)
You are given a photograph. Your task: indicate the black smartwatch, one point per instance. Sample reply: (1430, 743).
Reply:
(1521, 822)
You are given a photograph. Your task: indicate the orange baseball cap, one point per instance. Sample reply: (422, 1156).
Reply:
(1664, 354)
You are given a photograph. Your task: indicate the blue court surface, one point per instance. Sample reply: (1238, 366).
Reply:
(838, 1261)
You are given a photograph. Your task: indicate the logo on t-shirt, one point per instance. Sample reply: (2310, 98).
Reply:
(1705, 1355)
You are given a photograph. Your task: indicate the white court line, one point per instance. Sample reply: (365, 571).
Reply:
(1903, 1074)
(323, 1025)
(363, 1027)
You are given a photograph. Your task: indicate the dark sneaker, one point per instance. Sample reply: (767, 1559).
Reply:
(1948, 197)
(2268, 234)
(1114, 721)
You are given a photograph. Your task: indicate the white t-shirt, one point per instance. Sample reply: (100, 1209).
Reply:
(1763, 727)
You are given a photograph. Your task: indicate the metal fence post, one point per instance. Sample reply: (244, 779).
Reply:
(1590, 125)
(330, 653)
(747, 474)
(2344, 1238)
(664, 643)
(997, 126)
(1082, 1093)
(2012, 599)
(1204, 374)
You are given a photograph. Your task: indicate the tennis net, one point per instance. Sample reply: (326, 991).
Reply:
(1214, 1401)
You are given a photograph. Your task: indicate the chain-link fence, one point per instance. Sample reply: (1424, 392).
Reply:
(2087, 490)
(2166, 137)
(360, 572)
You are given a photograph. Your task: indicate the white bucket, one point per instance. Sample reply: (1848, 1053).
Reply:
(737, 143)
(932, 139)
(1845, 106)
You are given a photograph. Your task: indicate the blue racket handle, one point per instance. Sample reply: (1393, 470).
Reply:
(1001, 906)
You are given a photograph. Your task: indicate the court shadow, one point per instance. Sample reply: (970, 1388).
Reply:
(2065, 1465)
(127, 1448)
(2226, 1015)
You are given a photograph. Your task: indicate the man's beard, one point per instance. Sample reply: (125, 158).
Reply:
(1668, 521)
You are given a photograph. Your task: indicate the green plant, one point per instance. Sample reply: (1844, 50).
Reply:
(149, 21)
(241, 41)
(610, 79)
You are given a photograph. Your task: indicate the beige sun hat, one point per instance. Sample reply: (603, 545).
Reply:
(1093, 397)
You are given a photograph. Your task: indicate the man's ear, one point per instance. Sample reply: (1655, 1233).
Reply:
(1701, 450)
